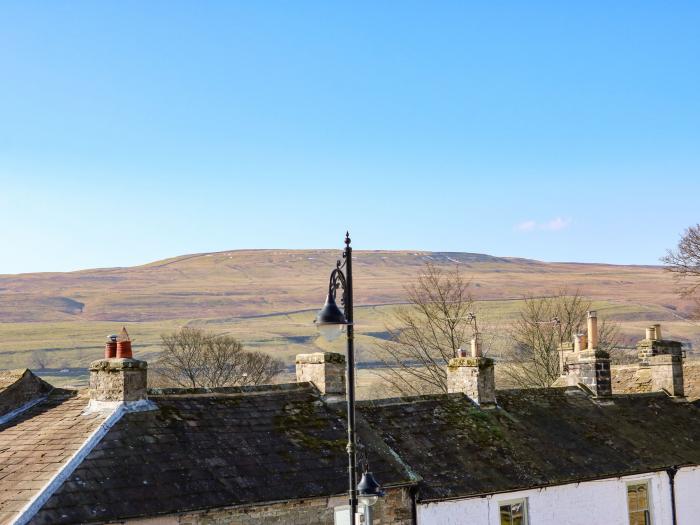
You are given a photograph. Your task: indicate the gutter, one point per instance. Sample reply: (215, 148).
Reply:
(672, 471)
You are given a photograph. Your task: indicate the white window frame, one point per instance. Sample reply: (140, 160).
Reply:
(526, 508)
(637, 482)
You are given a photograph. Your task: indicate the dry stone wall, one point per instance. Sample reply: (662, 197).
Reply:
(633, 379)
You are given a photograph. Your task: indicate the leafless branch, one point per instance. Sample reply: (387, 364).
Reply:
(426, 334)
(194, 358)
(543, 324)
(684, 263)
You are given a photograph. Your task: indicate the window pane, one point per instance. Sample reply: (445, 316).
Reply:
(638, 504)
(642, 498)
(638, 518)
(505, 515)
(513, 513)
(516, 514)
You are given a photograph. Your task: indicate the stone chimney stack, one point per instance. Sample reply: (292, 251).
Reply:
(590, 367)
(473, 376)
(665, 359)
(326, 370)
(118, 379)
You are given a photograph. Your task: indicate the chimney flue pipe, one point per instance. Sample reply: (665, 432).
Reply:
(592, 330)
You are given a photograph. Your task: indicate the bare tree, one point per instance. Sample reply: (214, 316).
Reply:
(426, 334)
(259, 368)
(543, 324)
(684, 263)
(39, 360)
(194, 358)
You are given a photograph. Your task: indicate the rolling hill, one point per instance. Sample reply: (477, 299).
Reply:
(255, 282)
(268, 298)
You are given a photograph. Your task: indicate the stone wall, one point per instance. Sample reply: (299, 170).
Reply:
(691, 379)
(632, 379)
(395, 508)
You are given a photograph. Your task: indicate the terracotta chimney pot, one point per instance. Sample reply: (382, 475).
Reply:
(111, 347)
(124, 345)
(124, 350)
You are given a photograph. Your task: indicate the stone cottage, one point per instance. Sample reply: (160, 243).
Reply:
(120, 454)
(571, 454)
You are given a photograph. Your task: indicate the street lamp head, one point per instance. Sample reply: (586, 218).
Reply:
(368, 490)
(330, 321)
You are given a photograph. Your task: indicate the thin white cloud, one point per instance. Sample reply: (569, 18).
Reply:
(526, 226)
(554, 225)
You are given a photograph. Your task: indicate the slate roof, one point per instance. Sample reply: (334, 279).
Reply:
(36, 444)
(18, 387)
(204, 449)
(215, 448)
(536, 438)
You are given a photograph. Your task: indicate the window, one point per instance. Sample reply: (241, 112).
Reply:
(638, 503)
(514, 512)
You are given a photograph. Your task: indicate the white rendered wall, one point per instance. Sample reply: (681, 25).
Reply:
(602, 502)
(688, 496)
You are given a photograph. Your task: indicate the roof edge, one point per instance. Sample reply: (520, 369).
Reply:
(9, 416)
(34, 505)
(388, 401)
(180, 391)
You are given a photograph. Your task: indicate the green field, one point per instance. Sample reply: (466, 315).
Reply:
(68, 345)
(268, 299)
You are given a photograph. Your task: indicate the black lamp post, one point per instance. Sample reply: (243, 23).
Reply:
(330, 322)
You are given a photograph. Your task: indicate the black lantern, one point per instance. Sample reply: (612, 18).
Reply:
(368, 490)
(330, 321)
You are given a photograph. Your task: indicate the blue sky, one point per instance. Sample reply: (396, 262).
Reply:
(136, 131)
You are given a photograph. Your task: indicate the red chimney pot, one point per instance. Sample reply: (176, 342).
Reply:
(124, 349)
(111, 348)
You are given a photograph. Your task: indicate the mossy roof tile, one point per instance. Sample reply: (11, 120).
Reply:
(247, 446)
(534, 438)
